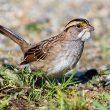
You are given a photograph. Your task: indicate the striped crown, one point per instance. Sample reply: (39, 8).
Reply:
(75, 22)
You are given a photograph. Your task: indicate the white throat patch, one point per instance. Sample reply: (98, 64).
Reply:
(84, 35)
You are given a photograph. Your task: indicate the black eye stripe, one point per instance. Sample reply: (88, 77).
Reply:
(78, 25)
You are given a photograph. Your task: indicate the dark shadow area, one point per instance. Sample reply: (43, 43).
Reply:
(78, 77)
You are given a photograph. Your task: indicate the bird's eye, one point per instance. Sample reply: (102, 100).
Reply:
(78, 25)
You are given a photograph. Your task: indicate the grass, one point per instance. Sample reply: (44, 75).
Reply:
(34, 27)
(19, 91)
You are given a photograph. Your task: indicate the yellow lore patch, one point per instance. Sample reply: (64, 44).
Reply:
(82, 24)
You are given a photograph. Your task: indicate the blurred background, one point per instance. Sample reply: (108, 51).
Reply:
(36, 20)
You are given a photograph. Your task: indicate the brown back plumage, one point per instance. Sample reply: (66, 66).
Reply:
(40, 50)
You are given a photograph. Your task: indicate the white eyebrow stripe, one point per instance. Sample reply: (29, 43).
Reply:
(71, 24)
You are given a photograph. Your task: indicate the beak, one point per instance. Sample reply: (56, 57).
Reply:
(90, 28)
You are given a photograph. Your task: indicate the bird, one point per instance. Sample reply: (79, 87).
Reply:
(56, 55)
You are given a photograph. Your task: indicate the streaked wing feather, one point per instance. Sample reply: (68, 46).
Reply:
(40, 51)
(34, 54)
(42, 57)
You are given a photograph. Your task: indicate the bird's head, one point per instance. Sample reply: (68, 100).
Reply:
(79, 29)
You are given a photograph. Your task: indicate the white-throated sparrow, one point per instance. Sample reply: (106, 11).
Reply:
(56, 54)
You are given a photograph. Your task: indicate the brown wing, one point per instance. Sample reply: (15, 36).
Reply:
(40, 51)
(36, 53)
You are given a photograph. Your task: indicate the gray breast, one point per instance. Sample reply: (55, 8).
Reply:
(67, 58)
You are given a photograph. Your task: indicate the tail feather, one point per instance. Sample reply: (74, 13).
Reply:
(16, 38)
